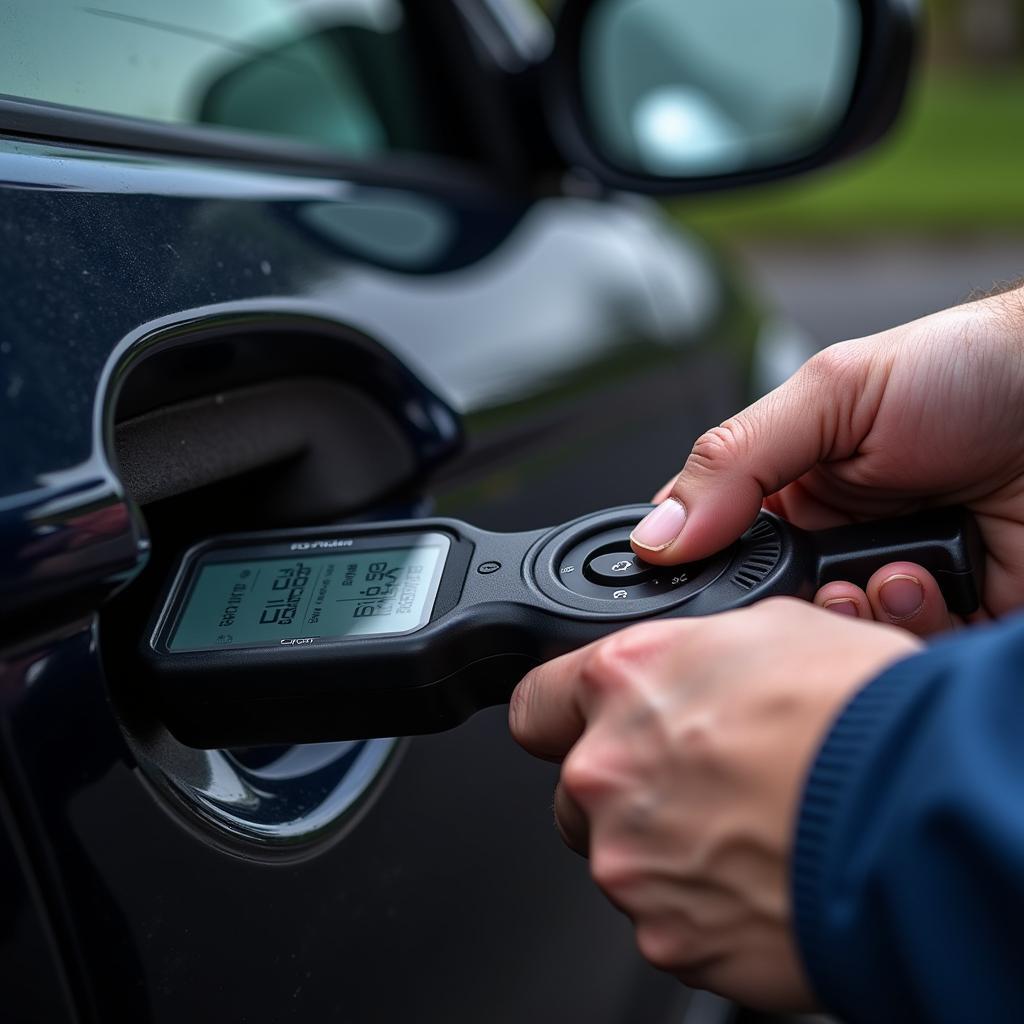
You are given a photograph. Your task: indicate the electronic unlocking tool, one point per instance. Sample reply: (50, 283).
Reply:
(409, 627)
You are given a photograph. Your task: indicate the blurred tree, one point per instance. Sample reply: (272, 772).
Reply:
(991, 30)
(981, 33)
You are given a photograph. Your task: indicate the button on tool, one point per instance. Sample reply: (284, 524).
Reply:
(615, 568)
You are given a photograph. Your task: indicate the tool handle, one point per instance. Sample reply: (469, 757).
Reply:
(946, 541)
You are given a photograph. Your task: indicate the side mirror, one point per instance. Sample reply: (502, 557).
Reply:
(677, 96)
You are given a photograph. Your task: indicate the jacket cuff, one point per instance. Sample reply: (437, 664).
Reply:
(828, 794)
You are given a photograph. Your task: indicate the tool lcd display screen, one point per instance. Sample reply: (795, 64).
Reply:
(357, 593)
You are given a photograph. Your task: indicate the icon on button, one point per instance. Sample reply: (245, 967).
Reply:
(621, 593)
(615, 567)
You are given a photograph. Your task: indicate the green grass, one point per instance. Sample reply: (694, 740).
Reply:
(954, 164)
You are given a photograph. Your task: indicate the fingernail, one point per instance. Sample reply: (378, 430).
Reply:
(843, 606)
(901, 596)
(660, 526)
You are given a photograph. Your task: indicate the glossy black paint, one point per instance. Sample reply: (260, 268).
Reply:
(454, 880)
(579, 344)
(31, 972)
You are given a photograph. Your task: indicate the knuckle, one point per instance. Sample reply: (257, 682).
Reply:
(665, 947)
(612, 873)
(720, 445)
(696, 740)
(613, 662)
(833, 370)
(772, 618)
(771, 607)
(608, 668)
(585, 775)
(825, 366)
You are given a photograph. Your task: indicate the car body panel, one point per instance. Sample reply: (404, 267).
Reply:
(578, 344)
(32, 975)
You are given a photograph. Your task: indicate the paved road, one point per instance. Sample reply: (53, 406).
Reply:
(855, 288)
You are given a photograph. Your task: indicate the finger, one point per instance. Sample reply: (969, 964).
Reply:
(906, 595)
(844, 599)
(544, 714)
(571, 822)
(816, 415)
(551, 706)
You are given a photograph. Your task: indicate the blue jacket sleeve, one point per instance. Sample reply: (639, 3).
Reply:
(908, 872)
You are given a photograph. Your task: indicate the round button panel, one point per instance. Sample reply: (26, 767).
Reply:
(603, 566)
(579, 566)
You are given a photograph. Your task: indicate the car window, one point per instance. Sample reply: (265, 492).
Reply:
(339, 73)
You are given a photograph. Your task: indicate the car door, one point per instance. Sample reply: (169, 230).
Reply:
(275, 266)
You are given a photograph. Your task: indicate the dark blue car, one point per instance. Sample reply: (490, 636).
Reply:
(271, 264)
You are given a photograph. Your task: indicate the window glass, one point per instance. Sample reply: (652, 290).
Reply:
(340, 73)
(717, 86)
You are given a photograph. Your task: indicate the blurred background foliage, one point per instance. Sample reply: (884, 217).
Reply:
(954, 164)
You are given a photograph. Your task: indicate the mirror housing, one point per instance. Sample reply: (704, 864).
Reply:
(860, 107)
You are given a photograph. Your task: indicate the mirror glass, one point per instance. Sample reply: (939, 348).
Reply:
(690, 88)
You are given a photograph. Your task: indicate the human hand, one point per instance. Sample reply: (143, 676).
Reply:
(686, 744)
(931, 413)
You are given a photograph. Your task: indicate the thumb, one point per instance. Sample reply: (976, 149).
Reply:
(735, 466)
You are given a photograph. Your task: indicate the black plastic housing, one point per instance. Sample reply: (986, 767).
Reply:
(491, 625)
